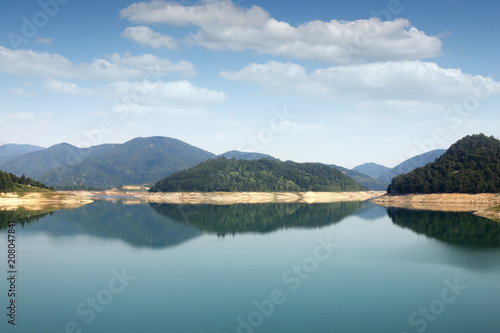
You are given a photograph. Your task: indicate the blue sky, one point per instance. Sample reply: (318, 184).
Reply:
(338, 82)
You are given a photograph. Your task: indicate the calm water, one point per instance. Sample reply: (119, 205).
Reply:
(342, 267)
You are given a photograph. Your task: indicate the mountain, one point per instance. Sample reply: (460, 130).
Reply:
(35, 164)
(241, 155)
(471, 165)
(371, 169)
(231, 175)
(138, 161)
(363, 179)
(411, 164)
(11, 149)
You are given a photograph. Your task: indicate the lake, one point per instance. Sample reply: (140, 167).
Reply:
(340, 267)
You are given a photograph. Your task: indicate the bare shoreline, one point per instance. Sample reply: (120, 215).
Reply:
(228, 198)
(41, 200)
(481, 204)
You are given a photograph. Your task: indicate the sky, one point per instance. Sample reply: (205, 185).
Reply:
(339, 82)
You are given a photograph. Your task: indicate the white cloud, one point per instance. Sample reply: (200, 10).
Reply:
(19, 117)
(302, 128)
(165, 112)
(153, 64)
(405, 80)
(64, 87)
(19, 92)
(147, 37)
(225, 26)
(43, 41)
(161, 93)
(118, 67)
(399, 106)
(21, 125)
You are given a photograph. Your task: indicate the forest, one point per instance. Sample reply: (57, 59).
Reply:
(11, 183)
(264, 175)
(471, 165)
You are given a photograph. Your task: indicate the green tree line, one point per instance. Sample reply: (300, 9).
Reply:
(264, 175)
(12, 183)
(471, 165)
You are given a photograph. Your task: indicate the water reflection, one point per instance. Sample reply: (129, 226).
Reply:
(257, 218)
(455, 228)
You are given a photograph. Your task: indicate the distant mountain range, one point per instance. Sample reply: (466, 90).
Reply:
(373, 170)
(147, 160)
(411, 164)
(363, 179)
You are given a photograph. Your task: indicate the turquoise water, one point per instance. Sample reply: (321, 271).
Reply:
(342, 267)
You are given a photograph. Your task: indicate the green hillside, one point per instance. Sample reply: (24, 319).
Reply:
(11, 183)
(35, 164)
(471, 165)
(265, 175)
(138, 161)
(241, 155)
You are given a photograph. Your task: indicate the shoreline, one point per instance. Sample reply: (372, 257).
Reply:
(481, 204)
(33, 201)
(228, 198)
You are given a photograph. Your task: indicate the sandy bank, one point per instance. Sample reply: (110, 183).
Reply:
(40, 201)
(227, 198)
(480, 204)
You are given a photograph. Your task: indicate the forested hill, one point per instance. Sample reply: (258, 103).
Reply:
(12, 183)
(230, 175)
(471, 165)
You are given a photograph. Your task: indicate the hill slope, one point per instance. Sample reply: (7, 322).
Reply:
(241, 155)
(12, 183)
(471, 165)
(371, 169)
(231, 175)
(411, 164)
(35, 164)
(363, 179)
(138, 161)
(11, 149)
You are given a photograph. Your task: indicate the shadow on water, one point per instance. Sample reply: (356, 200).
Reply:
(455, 228)
(235, 219)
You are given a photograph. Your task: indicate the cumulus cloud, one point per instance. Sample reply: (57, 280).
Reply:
(159, 93)
(225, 26)
(20, 92)
(399, 106)
(405, 80)
(64, 87)
(117, 67)
(147, 37)
(153, 64)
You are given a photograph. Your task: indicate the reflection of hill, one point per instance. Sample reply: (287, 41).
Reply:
(371, 211)
(455, 228)
(21, 217)
(257, 218)
(137, 225)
